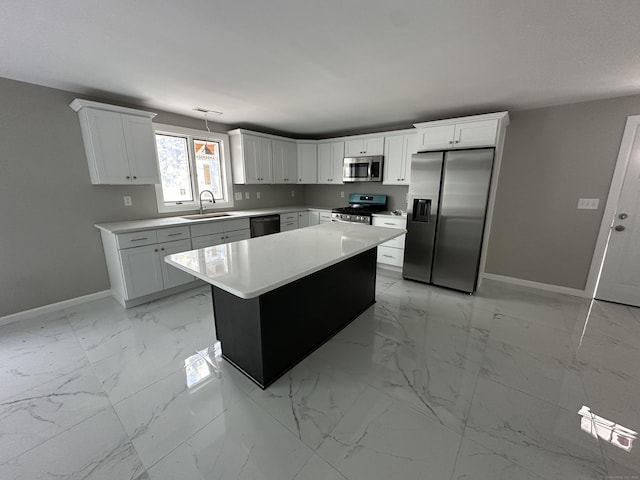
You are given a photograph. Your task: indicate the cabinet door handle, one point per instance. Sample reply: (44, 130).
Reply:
(385, 255)
(387, 223)
(134, 177)
(174, 234)
(450, 142)
(139, 239)
(162, 249)
(155, 250)
(128, 177)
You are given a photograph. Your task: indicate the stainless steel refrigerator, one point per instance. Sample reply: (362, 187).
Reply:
(447, 206)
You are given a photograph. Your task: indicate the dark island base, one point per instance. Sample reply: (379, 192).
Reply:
(264, 337)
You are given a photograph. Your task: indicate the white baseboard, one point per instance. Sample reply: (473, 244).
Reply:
(34, 312)
(540, 286)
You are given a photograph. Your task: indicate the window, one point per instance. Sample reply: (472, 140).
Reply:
(190, 162)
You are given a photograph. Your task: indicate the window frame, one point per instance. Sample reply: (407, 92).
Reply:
(225, 169)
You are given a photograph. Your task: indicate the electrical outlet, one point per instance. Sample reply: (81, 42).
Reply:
(127, 201)
(257, 195)
(293, 193)
(341, 194)
(238, 195)
(247, 196)
(588, 203)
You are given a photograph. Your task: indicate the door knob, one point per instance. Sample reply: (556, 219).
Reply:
(619, 228)
(622, 216)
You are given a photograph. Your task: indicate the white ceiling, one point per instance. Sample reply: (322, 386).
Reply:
(312, 68)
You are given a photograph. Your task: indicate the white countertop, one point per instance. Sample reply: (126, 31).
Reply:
(249, 268)
(178, 221)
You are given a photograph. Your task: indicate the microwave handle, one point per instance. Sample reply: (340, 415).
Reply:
(370, 170)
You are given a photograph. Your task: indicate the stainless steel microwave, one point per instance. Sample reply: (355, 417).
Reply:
(362, 169)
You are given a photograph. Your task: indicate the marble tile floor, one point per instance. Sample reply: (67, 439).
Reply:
(510, 383)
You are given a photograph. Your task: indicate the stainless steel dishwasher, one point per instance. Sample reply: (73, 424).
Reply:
(264, 225)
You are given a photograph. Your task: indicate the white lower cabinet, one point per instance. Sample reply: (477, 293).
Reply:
(303, 219)
(288, 221)
(391, 256)
(325, 216)
(286, 226)
(317, 217)
(391, 252)
(219, 232)
(143, 269)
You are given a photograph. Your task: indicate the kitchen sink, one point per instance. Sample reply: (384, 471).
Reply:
(199, 216)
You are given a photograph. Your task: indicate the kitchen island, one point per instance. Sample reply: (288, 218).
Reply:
(277, 298)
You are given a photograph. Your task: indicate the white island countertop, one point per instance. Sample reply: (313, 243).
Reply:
(250, 268)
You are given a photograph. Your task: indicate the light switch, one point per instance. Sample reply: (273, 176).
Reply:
(257, 195)
(293, 193)
(341, 194)
(238, 195)
(127, 201)
(588, 203)
(247, 196)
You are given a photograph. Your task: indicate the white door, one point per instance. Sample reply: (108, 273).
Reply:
(141, 149)
(325, 163)
(476, 134)
(307, 163)
(108, 145)
(141, 271)
(620, 276)
(172, 276)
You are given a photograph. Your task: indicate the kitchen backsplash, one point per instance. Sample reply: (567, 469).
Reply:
(331, 195)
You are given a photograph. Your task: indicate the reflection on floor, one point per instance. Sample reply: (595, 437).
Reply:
(427, 384)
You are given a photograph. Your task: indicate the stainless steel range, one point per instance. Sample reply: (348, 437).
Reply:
(361, 207)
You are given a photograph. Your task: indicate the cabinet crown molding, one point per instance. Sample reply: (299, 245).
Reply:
(502, 116)
(78, 104)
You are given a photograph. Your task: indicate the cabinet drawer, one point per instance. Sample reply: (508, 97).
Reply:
(208, 228)
(288, 217)
(237, 224)
(171, 234)
(237, 236)
(397, 242)
(205, 241)
(286, 226)
(325, 217)
(390, 222)
(137, 239)
(390, 255)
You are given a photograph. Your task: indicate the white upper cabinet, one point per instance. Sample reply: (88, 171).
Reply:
(464, 132)
(397, 158)
(366, 146)
(119, 143)
(251, 158)
(285, 161)
(307, 162)
(330, 162)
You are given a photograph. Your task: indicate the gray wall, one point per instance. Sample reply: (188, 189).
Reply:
(330, 195)
(552, 157)
(49, 249)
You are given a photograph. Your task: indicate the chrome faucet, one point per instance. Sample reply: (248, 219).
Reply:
(213, 200)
